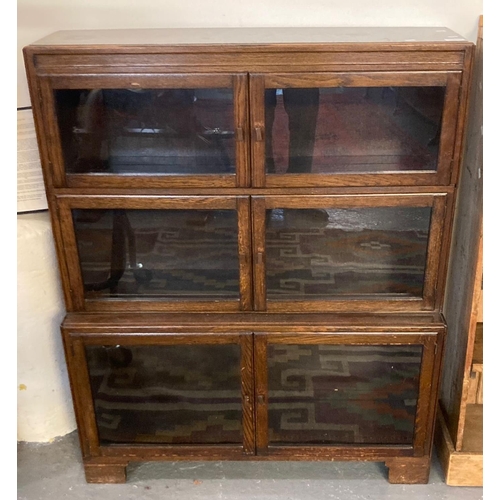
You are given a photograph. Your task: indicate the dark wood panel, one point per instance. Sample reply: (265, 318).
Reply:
(251, 60)
(463, 281)
(356, 79)
(156, 189)
(88, 182)
(147, 202)
(142, 81)
(89, 323)
(246, 60)
(245, 253)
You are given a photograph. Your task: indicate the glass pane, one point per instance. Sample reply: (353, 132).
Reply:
(377, 252)
(183, 394)
(188, 254)
(352, 130)
(328, 394)
(156, 131)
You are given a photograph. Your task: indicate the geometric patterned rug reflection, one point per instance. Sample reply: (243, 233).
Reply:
(325, 394)
(180, 394)
(318, 394)
(302, 260)
(308, 260)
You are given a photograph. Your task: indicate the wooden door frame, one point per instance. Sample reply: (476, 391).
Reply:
(431, 295)
(445, 168)
(75, 342)
(73, 279)
(431, 343)
(237, 82)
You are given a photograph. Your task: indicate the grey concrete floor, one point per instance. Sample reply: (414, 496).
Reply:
(54, 471)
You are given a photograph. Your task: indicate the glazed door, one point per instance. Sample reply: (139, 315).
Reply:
(137, 131)
(353, 129)
(189, 393)
(362, 393)
(163, 253)
(347, 253)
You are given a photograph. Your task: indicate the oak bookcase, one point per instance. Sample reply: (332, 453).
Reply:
(253, 229)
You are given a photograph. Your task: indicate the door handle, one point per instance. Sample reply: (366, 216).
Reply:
(259, 134)
(260, 258)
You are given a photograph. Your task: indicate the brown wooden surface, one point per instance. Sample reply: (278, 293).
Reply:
(461, 468)
(246, 60)
(252, 430)
(105, 473)
(409, 470)
(465, 269)
(259, 252)
(247, 394)
(475, 387)
(89, 323)
(477, 353)
(473, 429)
(245, 253)
(261, 394)
(228, 59)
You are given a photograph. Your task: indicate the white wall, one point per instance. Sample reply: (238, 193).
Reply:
(44, 409)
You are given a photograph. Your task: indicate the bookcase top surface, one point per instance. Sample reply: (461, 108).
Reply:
(250, 36)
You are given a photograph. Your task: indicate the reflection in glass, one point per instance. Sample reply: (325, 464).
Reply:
(179, 394)
(374, 252)
(328, 394)
(155, 131)
(188, 254)
(352, 130)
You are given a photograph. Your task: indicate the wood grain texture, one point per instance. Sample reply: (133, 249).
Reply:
(209, 190)
(105, 473)
(358, 79)
(259, 252)
(247, 61)
(461, 468)
(241, 120)
(89, 323)
(245, 253)
(261, 394)
(248, 393)
(411, 470)
(473, 429)
(465, 269)
(81, 393)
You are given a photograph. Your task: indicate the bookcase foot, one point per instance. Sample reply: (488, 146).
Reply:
(412, 470)
(105, 473)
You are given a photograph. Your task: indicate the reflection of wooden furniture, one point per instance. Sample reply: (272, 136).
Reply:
(339, 361)
(460, 433)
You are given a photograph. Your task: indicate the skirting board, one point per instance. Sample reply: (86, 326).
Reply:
(461, 468)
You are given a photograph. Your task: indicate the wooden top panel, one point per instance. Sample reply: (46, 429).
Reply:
(249, 36)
